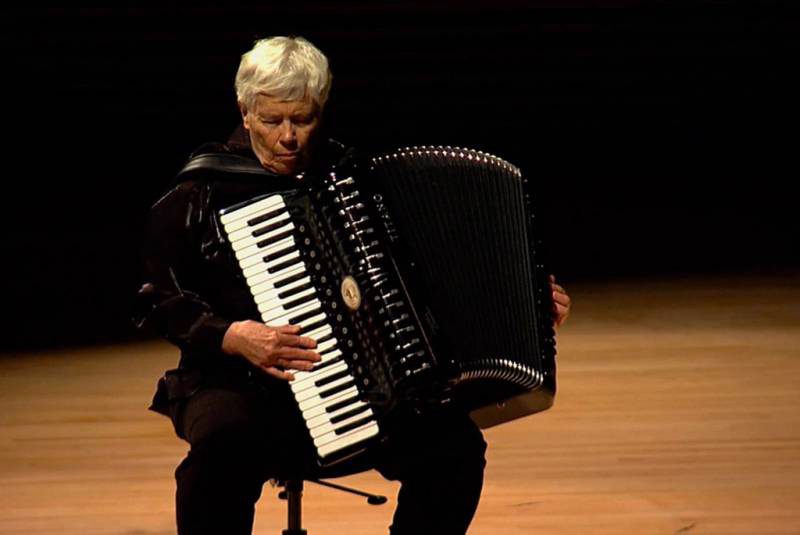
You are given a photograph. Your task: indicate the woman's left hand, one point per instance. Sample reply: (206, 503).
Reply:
(561, 303)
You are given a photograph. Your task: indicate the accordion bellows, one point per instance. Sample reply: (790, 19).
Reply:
(466, 217)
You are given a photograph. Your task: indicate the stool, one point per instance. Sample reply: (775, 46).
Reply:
(293, 493)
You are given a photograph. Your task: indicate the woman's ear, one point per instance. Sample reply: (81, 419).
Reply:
(245, 115)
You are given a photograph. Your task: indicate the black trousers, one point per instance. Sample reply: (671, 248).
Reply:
(242, 437)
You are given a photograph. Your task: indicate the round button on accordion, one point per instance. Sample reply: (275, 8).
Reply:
(420, 276)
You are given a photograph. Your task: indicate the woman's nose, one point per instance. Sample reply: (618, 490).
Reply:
(288, 134)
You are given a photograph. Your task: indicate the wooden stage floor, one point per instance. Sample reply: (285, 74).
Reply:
(678, 412)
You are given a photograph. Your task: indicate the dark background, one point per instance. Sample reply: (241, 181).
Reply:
(661, 136)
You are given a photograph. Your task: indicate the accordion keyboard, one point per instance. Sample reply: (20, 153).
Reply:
(273, 261)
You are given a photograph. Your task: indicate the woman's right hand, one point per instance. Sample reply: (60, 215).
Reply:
(272, 349)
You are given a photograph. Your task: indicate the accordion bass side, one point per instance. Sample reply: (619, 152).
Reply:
(421, 279)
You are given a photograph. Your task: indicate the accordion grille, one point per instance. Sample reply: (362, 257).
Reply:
(465, 220)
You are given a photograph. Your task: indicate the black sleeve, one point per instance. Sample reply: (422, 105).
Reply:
(169, 301)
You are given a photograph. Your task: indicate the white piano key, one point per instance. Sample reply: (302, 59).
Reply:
(266, 289)
(306, 322)
(312, 393)
(273, 247)
(244, 232)
(249, 240)
(301, 383)
(313, 319)
(320, 332)
(272, 293)
(330, 356)
(301, 376)
(354, 437)
(271, 279)
(312, 402)
(285, 315)
(257, 261)
(253, 264)
(327, 428)
(321, 408)
(241, 225)
(251, 211)
(248, 230)
(266, 306)
(255, 248)
(326, 345)
(302, 294)
(325, 416)
(291, 266)
(278, 276)
(333, 442)
(265, 275)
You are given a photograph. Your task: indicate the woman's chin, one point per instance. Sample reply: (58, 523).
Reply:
(280, 166)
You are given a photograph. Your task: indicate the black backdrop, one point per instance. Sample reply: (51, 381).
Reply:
(661, 136)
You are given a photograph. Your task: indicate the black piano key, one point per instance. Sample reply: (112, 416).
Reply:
(325, 338)
(324, 365)
(284, 265)
(272, 226)
(331, 378)
(326, 351)
(355, 425)
(302, 317)
(342, 404)
(289, 280)
(296, 289)
(278, 254)
(345, 415)
(336, 389)
(299, 301)
(315, 326)
(265, 217)
(275, 238)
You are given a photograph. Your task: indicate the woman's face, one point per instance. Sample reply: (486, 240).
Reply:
(281, 132)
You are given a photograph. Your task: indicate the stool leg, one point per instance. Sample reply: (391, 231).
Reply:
(294, 497)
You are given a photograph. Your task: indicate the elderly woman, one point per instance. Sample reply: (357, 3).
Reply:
(229, 397)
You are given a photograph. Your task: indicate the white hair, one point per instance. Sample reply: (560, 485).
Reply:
(289, 68)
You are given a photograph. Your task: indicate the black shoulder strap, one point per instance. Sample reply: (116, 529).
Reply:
(220, 164)
(224, 163)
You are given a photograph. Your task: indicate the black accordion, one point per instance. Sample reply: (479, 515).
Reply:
(420, 277)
